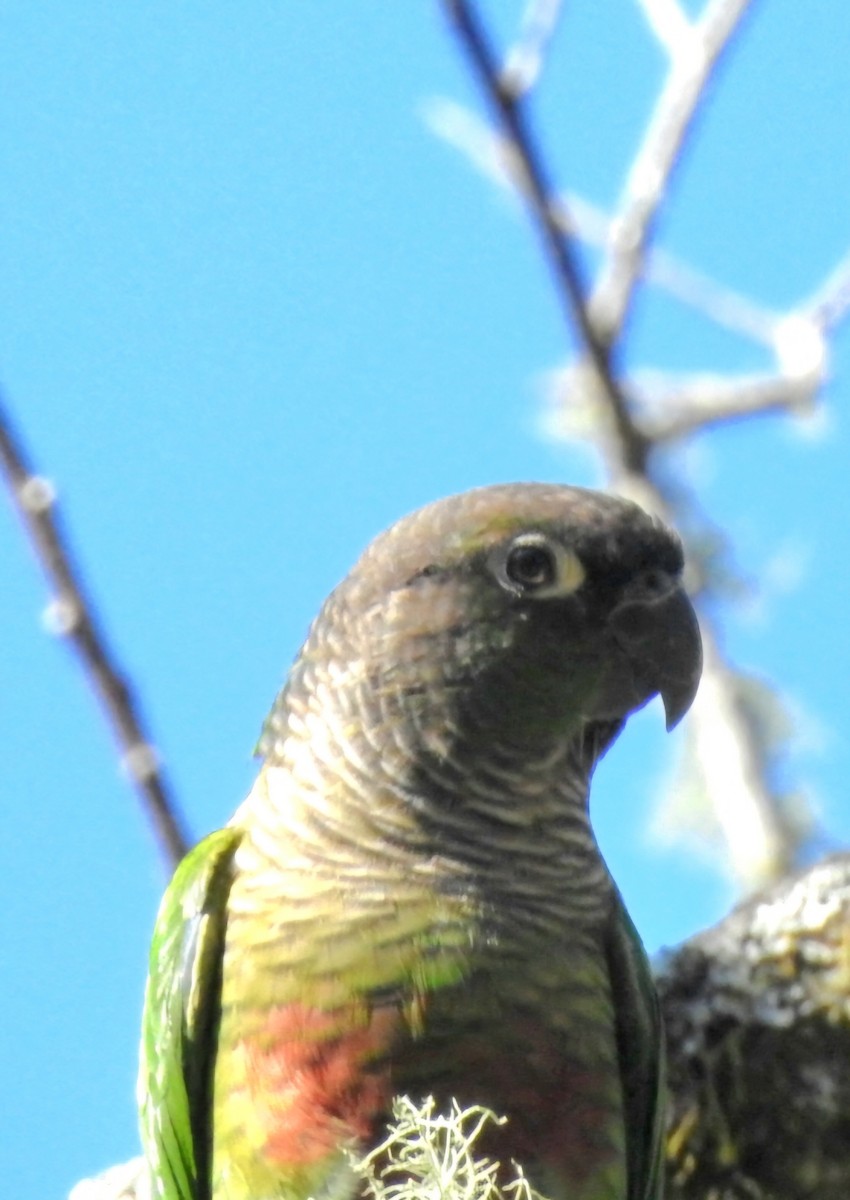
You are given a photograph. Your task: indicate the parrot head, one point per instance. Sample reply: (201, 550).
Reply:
(517, 615)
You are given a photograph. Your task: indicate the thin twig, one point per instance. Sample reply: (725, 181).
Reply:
(73, 614)
(656, 160)
(475, 139)
(707, 401)
(668, 22)
(526, 58)
(831, 302)
(549, 221)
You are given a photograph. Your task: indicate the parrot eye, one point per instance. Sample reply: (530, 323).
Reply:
(531, 564)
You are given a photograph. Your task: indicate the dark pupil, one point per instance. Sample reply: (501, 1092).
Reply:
(532, 566)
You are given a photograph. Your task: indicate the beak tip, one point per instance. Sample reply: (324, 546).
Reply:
(673, 715)
(678, 695)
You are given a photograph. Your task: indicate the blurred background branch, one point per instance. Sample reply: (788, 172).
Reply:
(631, 418)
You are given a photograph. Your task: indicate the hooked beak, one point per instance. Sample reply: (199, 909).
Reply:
(660, 635)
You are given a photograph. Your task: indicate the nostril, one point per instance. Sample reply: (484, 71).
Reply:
(655, 581)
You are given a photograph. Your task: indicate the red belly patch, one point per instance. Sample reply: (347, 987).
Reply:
(318, 1080)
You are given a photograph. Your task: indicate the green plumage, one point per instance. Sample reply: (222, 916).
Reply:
(181, 1015)
(411, 899)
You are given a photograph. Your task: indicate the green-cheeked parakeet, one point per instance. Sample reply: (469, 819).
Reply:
(411, 899)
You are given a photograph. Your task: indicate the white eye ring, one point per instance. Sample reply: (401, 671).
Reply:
(532, 564)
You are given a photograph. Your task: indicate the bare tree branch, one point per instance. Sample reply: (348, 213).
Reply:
(695, 59)
(705, 401)
(668, 22)
(72, 614)
(732, 770)
(721, 304)
(527, 57)
(627, 447)
(830, 303)
(548, 218)
(475, 139)
(758, 1029)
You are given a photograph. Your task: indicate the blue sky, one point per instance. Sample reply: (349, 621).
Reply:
(253, 310)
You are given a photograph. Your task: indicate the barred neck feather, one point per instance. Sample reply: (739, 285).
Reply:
(354, 787)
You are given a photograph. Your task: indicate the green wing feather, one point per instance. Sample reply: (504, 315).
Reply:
(640, 1043)
(180, 1019)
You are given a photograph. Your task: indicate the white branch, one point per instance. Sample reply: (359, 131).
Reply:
(828, 306)
(734, 780)
(525, 60)
(699, 401)
(656, 159)
(668, 23)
